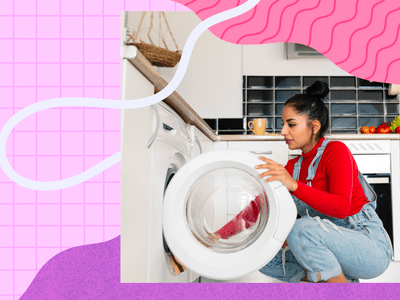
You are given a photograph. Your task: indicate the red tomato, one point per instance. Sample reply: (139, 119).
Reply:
(364, 129)
(397, 130)
(387, 130)
(372, 129)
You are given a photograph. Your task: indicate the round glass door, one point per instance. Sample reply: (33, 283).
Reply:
(219, 193)
(230, 202)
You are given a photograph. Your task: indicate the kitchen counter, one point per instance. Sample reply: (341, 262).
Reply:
(276, 137)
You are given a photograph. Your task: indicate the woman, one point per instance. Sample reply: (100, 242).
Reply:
(339, 235)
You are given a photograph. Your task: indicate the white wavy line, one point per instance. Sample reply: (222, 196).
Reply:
(104, 103)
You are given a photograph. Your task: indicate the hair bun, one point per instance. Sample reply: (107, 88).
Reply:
(318, 89)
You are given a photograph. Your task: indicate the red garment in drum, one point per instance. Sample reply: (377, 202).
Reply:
(335, 191)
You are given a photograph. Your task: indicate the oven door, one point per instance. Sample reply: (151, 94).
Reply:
(205, 194)
(381, 185)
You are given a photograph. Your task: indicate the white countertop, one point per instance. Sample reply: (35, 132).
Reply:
(276, 137)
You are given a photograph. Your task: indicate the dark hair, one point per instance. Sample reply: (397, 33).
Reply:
(310, 103)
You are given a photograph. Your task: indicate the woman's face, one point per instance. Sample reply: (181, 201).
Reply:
(296, 130)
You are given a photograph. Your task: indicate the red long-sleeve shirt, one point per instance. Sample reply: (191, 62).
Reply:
(336, 190)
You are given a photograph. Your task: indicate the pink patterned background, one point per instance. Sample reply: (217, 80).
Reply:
(60, 48)
(361, 37)
(51, 49)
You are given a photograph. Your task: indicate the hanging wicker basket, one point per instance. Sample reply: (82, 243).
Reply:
(158, 56)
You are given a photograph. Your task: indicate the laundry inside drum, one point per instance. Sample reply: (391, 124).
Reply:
(230, 201)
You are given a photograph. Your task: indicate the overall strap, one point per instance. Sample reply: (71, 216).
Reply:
(297, 167)
(313, 166)
(368, 191)
(315, 162)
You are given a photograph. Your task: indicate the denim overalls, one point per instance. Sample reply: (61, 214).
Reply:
(325, 246)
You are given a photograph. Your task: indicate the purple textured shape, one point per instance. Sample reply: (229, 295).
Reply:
(93, 272)
(84, 272)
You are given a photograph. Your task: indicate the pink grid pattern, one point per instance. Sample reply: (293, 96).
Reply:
(52, 49)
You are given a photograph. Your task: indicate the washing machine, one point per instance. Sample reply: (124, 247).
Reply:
(212, 190)
(188, 196)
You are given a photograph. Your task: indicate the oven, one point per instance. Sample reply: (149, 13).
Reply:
(381, 184)
(377, 162)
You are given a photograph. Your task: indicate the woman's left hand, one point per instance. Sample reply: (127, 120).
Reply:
(277, 172)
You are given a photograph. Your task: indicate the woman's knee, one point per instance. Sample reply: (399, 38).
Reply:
(301, 228)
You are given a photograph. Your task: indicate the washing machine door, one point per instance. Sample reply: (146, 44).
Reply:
(217, 188)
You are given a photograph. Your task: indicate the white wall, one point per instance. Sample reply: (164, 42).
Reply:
(212, 85)
(269, 60)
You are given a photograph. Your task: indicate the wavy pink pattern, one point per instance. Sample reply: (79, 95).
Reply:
(189, 3)
(238, 24)
(359, 29)
(374, 37)
(380, 50)
(223, 33)
(280, 22)
(384, 40)
(266, 24)
(339, 23)
(388, 68)
(351, 33)
(321, 18)
(207, 8)
(298, 14)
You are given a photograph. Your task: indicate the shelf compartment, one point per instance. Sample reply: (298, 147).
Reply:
(309, 80)
(365, 84)
(343, 95)
(392, 108)
(371, 109)
(231, 124)
(343, 109)
(260, 82)
(370, 121)
(231, 132)
(260, 109)
(283, 95)
(343, 82)
(287, 82)
(212, 123)
(343, 123)
(279, 108)
(370, 95)
(260, 96)
(354, 131)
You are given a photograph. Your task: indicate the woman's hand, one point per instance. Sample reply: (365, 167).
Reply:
(277, 172)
